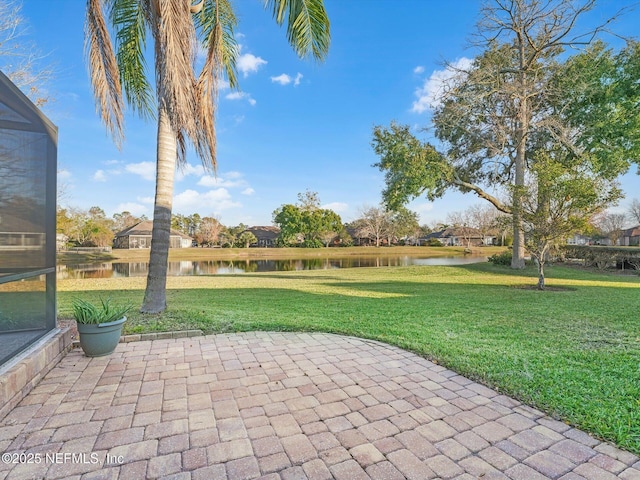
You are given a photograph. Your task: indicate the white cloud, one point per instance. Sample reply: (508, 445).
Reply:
(112, 162)
(338, 207)
(214, 201)
(235, 95)
(188, 169)
(248, 63)
(230, 180)
(418, 70)
(64, 174)
(213, 181)
(248, 191)
(147, 200)
(146, 170)
(133, 208)
(430, 94)
(99, 176)
(240, 96)
(283, 79)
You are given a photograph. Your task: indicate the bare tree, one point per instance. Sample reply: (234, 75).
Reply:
(375, 223)
(461, 222)
(124, 220)
(483, 217)
(634, 210)
(20, 60)
(209, 231)
(611, 225)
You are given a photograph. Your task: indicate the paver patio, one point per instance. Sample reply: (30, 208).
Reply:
(285, 406)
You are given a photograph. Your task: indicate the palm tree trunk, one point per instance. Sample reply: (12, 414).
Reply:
(155, 295)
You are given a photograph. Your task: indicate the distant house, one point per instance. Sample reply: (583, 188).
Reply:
(18, 234)
(267, 236)
(458, 237)
(359, 239)
(579, 239)
(61, 241)
(139, 236)
(631, 237)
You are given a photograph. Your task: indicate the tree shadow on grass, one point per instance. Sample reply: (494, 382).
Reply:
(552, 272)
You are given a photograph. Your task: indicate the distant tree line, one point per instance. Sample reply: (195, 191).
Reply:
(303, 224)
(93, 228)
(306, 224)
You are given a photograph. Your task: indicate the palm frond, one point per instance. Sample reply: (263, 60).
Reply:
(103, 69)
(220, 13)
(175, 49)
(216, 22)
(128, 19)
(207, 93)
(308, 28)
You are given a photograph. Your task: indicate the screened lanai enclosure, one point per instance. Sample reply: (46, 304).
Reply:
(28, 151)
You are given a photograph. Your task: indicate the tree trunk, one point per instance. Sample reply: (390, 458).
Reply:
(517, 259)
(522, 130)
(155, 295)
(541, 273)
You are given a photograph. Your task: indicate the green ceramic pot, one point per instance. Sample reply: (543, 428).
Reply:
(101, 339)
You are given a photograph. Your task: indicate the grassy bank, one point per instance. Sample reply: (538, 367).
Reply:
(573, 352)
(176, 254)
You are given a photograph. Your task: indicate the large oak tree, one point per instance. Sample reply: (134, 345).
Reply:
(522, 95)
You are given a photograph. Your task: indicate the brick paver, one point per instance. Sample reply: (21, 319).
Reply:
(283, 406)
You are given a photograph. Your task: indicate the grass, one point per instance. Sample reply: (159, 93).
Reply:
(573, 352)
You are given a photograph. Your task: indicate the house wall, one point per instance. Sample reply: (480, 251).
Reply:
(144, 241)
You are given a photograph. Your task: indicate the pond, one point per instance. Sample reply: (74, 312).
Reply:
(220, 267)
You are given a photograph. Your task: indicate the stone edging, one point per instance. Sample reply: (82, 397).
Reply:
(160, 335)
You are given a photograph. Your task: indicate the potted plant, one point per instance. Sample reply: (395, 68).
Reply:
(99, 326)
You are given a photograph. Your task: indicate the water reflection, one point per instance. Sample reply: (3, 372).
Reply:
(222, 267)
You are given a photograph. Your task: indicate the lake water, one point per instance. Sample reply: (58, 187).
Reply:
(219, 267)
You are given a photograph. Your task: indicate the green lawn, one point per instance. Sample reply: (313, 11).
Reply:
(573, 352)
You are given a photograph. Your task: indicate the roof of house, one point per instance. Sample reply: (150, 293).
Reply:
(144, 228)
(632, 232)
(455, 232)
(264, 231)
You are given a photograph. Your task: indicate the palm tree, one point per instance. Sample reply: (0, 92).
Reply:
(184, 103)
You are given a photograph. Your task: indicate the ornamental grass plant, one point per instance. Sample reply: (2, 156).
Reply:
(97, 313)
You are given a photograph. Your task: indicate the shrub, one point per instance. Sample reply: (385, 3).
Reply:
(432, 242)
(503, 258)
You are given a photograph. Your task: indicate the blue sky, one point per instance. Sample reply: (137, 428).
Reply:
(295, 125)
